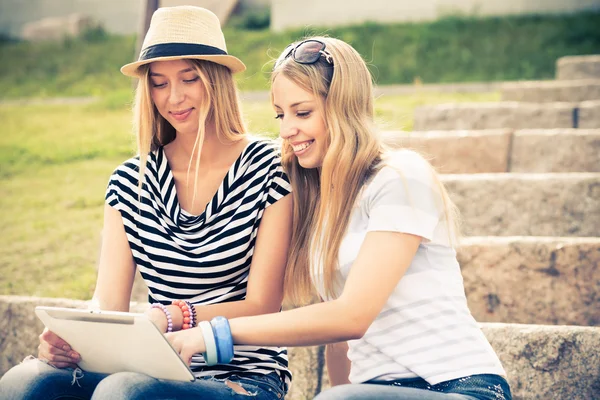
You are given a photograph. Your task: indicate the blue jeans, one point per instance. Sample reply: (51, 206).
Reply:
(34, 379)
(474, 387)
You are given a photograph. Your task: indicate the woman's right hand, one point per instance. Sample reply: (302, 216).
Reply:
(56, 351)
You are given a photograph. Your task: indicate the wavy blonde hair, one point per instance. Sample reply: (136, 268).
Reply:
(220, 105)
(324, 198)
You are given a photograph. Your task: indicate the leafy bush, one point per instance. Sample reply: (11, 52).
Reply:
(252, 19)
(94, 34)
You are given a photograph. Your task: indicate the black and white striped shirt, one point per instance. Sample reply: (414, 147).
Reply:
(204, 259)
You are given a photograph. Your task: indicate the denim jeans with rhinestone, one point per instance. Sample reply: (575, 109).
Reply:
(474, 387)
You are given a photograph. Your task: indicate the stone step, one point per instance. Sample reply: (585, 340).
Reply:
(587, 115)
(555, 150)
(507, 115)
(541, 361)
(578, 67)
(504, 150)
(515, 204)
(523, 279)
(532, 280)
(573, 91)
(457, 152)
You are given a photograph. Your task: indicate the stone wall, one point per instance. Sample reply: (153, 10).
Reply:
(541, 361)
(116, 16)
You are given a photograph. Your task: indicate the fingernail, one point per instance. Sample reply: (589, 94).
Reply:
(74, 355)
(66, 348)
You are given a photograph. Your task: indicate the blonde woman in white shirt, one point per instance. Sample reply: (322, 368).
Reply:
(374, 234)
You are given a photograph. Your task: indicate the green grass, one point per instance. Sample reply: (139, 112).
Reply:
(54, 166)
(454, 49)
(52, 218)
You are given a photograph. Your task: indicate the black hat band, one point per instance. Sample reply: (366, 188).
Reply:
(179, 49)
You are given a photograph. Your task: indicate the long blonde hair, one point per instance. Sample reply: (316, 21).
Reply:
(220, 105)
(325, 198)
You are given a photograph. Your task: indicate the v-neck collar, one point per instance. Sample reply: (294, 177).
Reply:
(168, 190)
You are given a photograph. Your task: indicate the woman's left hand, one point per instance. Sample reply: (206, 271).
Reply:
(187, 343)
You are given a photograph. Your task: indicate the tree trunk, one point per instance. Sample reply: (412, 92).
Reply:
(149, 6)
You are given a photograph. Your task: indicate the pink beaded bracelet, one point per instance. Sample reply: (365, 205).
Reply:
(189, 313)
(167, 314)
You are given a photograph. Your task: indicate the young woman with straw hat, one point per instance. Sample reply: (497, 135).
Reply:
(203, 212)
(374, 234)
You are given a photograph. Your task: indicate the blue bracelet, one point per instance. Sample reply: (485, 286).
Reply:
(223, 339)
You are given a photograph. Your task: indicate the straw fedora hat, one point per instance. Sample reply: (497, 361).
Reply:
(184, 32)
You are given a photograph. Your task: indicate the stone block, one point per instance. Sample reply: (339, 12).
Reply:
(532, 280)
(542, 362)
(457, 152)
(546, 362)
(307, 365)
(573, 91)
(555, 150)
(57, 28)
(20, 327)
(578, 67)
(588, 115)
(498, 115)
(516, 204)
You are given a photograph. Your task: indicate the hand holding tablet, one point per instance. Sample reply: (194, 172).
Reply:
(110, 341)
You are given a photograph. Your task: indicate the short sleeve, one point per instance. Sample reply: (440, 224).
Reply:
(121, 191)
(403, 197)
(278, 185)
(111, 197)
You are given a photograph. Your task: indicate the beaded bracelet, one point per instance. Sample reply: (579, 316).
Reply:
(189, 313)
(223, 339)
(210, 355)
(167, 314)
(193, 314)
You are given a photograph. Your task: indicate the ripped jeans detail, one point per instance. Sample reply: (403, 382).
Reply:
(77, 372)
(252, 384)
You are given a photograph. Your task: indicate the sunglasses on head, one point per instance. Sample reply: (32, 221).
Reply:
(306, 52)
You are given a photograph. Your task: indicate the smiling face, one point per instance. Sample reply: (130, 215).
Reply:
(302, 122)
(177, 92)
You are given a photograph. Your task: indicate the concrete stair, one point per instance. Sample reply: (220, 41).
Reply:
(542, 361)
(571, 101)
(578, 67)
(517, 204)
(508, 115)
(504, 150)
(532, 279)
(524, 174)
(572, 91)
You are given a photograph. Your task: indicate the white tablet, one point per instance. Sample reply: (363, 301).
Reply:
(110, 341)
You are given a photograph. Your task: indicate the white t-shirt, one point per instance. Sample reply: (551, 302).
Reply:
(425, 329)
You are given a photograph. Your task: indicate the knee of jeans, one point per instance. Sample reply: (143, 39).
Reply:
(30, 376)
(123, 385)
